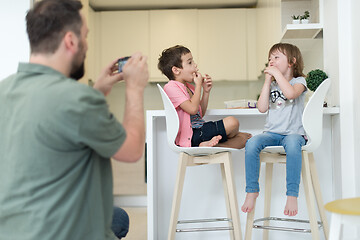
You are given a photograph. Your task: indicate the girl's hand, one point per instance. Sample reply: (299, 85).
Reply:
(273, 71)
(268, 78)
(198, 79)
(207, 85)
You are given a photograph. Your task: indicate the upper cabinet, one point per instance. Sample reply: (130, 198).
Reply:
(222, 41)
(122, 33)
(218, 40)
(169, 28)
(223, 44)
(311, 30)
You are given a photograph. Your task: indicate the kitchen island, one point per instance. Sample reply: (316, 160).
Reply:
(203, 192)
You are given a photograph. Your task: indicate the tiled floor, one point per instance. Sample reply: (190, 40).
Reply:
(138, 223)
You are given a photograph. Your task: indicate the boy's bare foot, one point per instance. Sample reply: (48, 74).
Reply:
(249, 203)
(291, 207)
(211, 143)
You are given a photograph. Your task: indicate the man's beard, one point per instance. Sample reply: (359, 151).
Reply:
(78, 73)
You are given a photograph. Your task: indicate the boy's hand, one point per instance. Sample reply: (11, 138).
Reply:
(198, 79)
(207, 85)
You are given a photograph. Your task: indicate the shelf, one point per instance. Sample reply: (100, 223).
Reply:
(302, 31)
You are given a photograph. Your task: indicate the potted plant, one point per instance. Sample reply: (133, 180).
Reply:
(305, 18)
(295, 19)
(314, 78)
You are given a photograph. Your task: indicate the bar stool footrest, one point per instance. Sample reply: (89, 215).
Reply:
(288, 229)
(203, 229)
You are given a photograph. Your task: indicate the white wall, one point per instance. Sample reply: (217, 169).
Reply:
(14, 45)
(356, 62)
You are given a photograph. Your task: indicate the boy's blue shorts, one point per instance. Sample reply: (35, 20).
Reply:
(207, 132)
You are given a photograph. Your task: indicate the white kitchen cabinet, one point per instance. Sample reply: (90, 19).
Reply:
(223, 43)
(252, 45)
(169, 28)
(122, 33)
(268, 29)
(118, 34)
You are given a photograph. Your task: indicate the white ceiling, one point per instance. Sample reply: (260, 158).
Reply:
(99, 5)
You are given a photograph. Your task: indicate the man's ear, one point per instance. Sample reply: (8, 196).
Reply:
(175, 70)
(71, 41)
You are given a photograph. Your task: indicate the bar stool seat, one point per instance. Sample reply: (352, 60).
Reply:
(195, 156)
(312, 122)
(343, 211)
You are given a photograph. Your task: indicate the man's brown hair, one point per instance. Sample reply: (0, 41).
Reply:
(49, 20)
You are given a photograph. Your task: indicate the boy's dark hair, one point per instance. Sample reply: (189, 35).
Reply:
(171, 57)
(291, 52)
(49, 20)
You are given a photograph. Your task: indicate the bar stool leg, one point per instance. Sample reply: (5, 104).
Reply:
(183, 162)
(318, 195)
(226, 194)
(309, 193)
(234, 208)
(267, 204)
(250, 223)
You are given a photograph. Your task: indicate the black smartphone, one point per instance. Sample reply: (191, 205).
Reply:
(121, 63)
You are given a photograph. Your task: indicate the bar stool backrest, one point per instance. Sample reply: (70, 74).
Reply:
(172, 120)
(312, 118)
(172, 128)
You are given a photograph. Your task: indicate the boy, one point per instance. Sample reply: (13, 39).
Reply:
(178, 65)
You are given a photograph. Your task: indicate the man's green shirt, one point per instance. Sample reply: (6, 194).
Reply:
(56, 138)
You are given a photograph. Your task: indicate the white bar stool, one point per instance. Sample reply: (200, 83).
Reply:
(343, 211)
(312, 122)
(195, 156)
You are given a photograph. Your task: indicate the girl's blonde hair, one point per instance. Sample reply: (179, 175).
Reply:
(293, 55)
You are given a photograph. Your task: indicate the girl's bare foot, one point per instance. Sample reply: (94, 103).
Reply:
(291, 207)
(249, 203)
(211, 143)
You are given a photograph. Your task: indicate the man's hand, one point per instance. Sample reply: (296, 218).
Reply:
(108, 77)
(135, 72)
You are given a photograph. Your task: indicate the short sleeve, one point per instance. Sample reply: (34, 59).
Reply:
(99, 129)
(299, 80)
(82, 122)
(176, 94)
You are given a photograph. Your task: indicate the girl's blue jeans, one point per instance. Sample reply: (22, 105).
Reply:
(292, 144)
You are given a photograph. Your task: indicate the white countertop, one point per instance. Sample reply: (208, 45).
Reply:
(239, 112)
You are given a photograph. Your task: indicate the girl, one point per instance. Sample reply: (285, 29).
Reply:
(282, 95)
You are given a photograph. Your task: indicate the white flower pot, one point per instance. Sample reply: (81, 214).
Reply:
(304, 21)
(296, 21)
